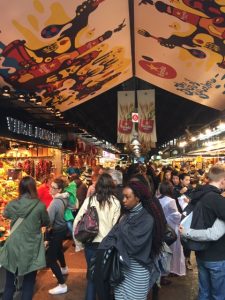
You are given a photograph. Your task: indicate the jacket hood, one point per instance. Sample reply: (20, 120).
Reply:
(201, 191)
(21, 207)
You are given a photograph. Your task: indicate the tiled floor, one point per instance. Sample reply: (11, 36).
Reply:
(182, 288)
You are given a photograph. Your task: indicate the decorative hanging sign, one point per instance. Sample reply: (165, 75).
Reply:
(126, 103)
(135, 117)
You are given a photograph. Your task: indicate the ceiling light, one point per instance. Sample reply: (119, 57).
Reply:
(135, 142)
(182, 144)
(221, 126)
(6, 91)
(21, 97)
(49, 108)
(38, 100)
(58, 112)
(193, 139)
(33, 98)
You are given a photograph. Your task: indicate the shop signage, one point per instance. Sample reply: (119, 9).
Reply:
(135, 117)
(29, 130)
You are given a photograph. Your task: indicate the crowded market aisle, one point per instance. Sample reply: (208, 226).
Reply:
(184, 288)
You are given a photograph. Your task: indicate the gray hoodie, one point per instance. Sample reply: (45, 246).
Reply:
(56, 213)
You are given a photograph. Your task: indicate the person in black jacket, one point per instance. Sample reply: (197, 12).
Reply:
(138, 238)
(211, 262)
(184, 189)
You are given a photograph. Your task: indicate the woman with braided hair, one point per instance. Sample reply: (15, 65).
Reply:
(138, 238)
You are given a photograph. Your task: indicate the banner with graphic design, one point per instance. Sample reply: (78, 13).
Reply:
(147, 122)
(186, 53)
(66, 51)
(126, 106)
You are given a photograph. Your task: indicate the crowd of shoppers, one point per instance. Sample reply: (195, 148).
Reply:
(133, 207)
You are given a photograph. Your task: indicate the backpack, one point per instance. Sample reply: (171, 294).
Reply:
(196, 223)
(88, 226)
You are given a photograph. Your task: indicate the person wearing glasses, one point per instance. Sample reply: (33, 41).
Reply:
(57, 234)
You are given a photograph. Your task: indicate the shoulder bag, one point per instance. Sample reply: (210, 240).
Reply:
(88, 227)
(170, 235)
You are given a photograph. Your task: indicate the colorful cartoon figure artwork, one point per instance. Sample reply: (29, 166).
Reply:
(64, 69)
(194, 30)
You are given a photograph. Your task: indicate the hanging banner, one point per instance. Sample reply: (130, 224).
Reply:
(126, 104)
(146, 113)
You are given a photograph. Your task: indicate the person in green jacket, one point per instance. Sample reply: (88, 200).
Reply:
(23, 252)
(70, 192)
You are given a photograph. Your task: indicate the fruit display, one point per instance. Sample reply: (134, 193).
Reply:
(8, 191)
(4, 230)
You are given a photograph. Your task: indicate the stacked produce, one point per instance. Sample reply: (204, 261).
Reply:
(4, 228)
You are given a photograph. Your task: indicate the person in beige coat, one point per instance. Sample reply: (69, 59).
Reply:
(108, 208)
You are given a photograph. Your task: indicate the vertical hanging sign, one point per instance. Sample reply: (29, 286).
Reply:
(146, 113)
(126, 105)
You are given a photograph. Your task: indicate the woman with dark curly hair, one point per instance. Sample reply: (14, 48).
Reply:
(138, 238)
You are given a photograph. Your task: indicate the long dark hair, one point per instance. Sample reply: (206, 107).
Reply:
(154, 208)
(27, 185)
(166, 188)
(104, 189)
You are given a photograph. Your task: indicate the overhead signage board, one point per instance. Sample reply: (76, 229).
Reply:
(185, 54)
(17, 129)
(66, 51)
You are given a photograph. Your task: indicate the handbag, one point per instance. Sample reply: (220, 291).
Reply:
(88, 227)
(116, 275)
(170, 235)
(107, 263)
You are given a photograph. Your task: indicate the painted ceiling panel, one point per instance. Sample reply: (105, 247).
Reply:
(66, 51)
(180, 47)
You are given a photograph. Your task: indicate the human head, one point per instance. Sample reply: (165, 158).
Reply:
(166, 188)
(75, 178)
(57, 186)
(167, 175)
(48, 178)
(98, 170)
(117, 176)
(130, 197)
(133, 170)
(184, 179)
(216, 176)
(27, 185)
(175, 178)
(104, 189)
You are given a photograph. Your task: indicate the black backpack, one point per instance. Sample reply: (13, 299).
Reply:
(197, 223)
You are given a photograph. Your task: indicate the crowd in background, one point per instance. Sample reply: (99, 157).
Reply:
(139, 198)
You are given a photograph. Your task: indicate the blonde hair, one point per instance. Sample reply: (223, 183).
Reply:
(216, 173)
